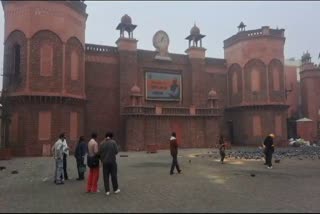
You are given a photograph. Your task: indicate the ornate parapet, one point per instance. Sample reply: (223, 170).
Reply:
(258, 106)
(251, 34)
(92, 48)
(171, 111)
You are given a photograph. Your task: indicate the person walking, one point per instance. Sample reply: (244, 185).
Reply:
(57, 151)
(174, 153)
(269, 149)
(222, 148)
(108, 150)
(93, 164)
(80, 152)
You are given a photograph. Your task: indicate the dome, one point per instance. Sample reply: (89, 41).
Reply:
(195, 31)
(212, 94)
(126, 20)
(135, 89)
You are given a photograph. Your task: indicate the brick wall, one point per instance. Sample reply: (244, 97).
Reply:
(103, 104)
(40, 83)
(28, 142)
(77, 86)
(11, 81)
(191, 132)
(243, 123)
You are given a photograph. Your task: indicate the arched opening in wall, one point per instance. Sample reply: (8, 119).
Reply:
(276, 75)
(74, 65)
(46, 60)
(17, 59)
(255, 80)
(235, 83)
(276, 79)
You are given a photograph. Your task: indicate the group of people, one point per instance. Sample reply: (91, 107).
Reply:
(268, 149)
(105, 152)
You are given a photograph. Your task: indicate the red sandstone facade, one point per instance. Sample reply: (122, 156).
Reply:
(310, 90)
(54, 83)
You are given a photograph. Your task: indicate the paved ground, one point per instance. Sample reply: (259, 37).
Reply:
(146, 186)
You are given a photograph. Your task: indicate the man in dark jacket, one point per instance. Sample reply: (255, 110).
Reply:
(108, 150)
(269, 149)
(174, 153)
(80, 152)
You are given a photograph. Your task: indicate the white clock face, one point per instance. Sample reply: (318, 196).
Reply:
(161, 39)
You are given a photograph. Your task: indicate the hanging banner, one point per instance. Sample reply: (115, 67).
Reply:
(163, 86)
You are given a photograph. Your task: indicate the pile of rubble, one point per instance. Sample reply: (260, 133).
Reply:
(304, 152)
(300, 142)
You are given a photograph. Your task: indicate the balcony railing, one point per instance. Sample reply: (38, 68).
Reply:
(171, 111)
(101, 48)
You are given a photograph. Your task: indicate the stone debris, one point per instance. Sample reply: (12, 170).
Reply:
(252, 175)
(124, 156)
(2, 168)
(300, 153)
(14, 172)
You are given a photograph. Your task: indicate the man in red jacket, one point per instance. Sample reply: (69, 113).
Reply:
(174, 153)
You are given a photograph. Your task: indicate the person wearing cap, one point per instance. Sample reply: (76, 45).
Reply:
(269, 149)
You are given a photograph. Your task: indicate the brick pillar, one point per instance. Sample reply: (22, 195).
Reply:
(128, 59)
(197, 65)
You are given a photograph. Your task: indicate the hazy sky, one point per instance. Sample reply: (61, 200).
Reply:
(217, 20)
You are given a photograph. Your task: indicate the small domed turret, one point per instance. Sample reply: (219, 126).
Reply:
(126, 20)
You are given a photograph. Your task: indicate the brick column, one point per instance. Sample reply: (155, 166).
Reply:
(128, 59)
(197, 66)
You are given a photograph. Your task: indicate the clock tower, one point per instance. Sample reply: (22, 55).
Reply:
(161, 43)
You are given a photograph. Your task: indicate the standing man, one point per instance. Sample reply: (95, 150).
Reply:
(65, 155)
(174, 153)
(80, 152)
(108, 150)
(93, 164)
(57, 151)
(269, 149)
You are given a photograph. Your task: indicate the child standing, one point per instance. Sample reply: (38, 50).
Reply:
(222, 148)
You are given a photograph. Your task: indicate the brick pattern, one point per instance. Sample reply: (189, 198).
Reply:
(51, 83)
(28, 126)
(103, 104)
(191, 132)
(276, 94)
(293, 96)
(235, 71)
(74, 48)
(243, 131)
(259, 95)
(310, 90)
(11, 81)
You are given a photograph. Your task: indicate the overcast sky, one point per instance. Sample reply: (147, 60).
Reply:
(217, 20)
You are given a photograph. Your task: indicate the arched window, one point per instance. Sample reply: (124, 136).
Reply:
(234, 83)
(17, 59)
(276, 79)
(255, 80)
(74, 65)
(46, 58)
